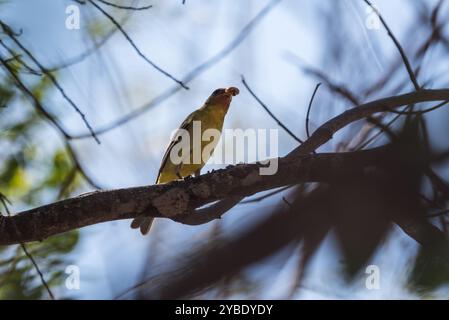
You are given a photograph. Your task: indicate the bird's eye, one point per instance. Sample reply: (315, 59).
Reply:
(218, 91)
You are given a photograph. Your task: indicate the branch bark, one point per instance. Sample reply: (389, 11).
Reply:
(179, 199)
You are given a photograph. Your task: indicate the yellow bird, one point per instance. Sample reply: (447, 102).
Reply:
(210, 116)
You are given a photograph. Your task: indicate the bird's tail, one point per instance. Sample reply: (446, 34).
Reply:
(144, 223)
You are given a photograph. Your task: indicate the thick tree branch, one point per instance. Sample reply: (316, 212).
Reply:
(179, 199)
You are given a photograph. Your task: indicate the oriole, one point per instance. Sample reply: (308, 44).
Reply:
(210, 116)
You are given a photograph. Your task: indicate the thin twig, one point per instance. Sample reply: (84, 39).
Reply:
(398, 46)
(55, 82)
(265, 196)
(264, 106)
(36, 102)
(17, 58)
(125, 7)
(49, 117)
(406, 111)
(365, 143)
(29, 256)
(80, 168)
(213, 212)
(131, 42)
(286, 202)
(89, 51)
(310, 108)
(83, 55)
(325, 132)
(434, 37)
(439, 105)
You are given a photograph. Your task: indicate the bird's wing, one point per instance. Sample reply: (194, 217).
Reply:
(184, 125)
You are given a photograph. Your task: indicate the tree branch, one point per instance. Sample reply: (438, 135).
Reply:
(178, 200)
(325, 132)
(398, 46)
(264, 106)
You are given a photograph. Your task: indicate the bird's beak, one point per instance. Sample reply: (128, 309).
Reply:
(229, 93)
(224, 98)
(232, 91)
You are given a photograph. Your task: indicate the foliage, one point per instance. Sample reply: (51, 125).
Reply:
(29, 176)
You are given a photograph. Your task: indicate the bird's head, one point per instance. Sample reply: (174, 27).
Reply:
(222, 97)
